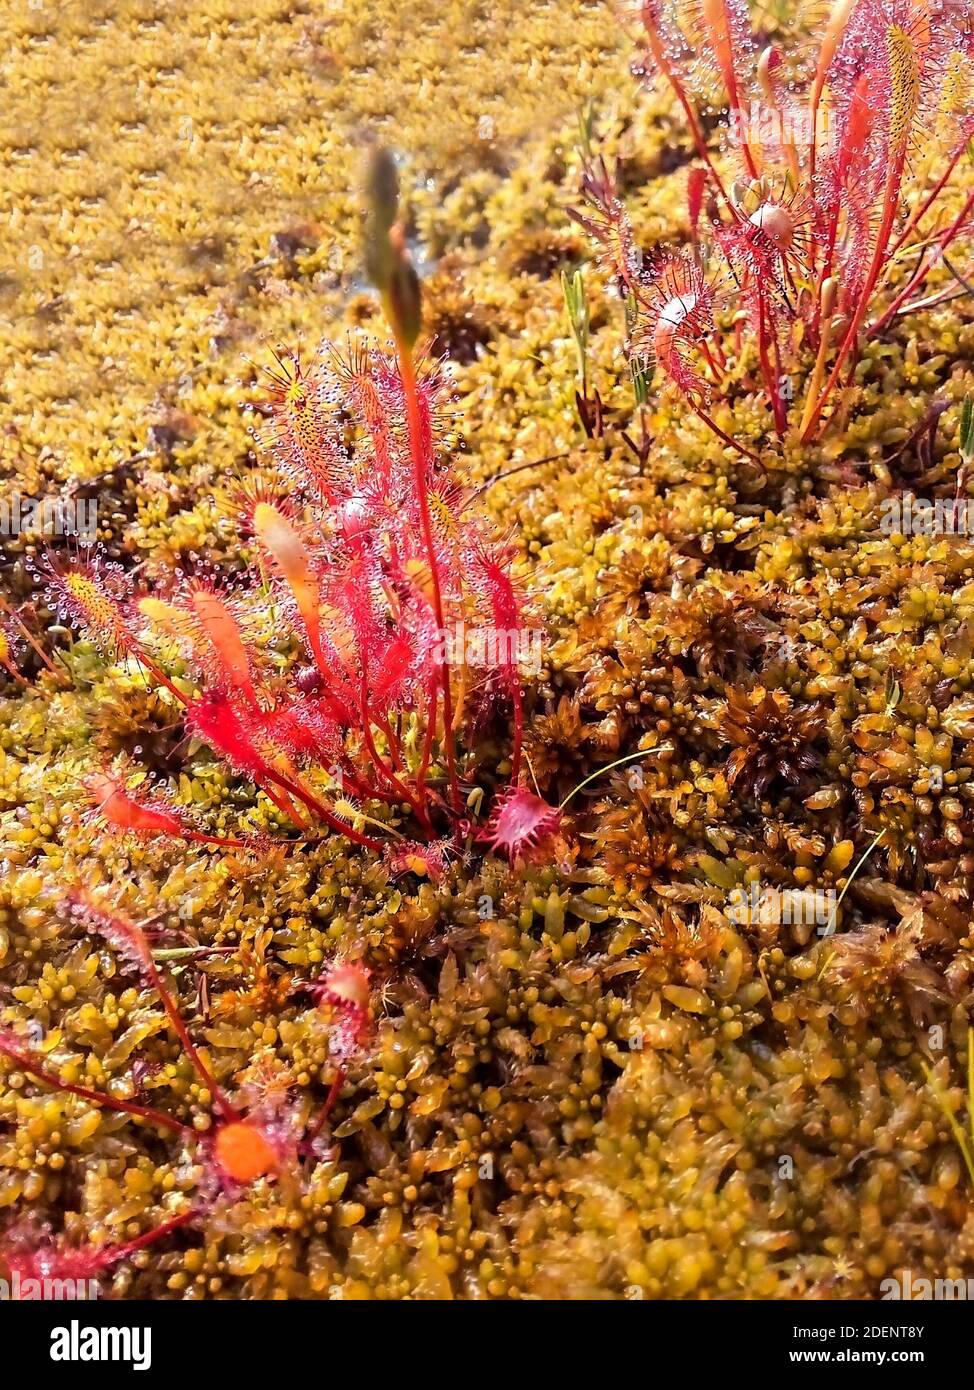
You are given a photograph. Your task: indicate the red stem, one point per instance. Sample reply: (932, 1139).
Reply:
(696, 131)
(766, 372)
(711, 363)
(319, 809)
(401, 789)
(923, 270)
(518, 728)
(26, 1062)
(333, 1094)
(182, 1033)
(11, 669)
(198, 838)
(891, 200)
(407, 372)
(392, 739)
(712, 425)
(111, 1254)
(780, 409)
(929, 201)
(432, 698)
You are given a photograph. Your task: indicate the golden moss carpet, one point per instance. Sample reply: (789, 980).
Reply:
(609, 1084)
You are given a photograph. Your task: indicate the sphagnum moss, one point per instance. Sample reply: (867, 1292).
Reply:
(588, 1079)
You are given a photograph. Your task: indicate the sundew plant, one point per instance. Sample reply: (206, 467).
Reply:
(392, 611)
(826, 221)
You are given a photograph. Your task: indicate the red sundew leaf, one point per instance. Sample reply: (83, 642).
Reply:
(392, 668)
(127, 938)
(225, 654)
(490, 577)
(91, 595)
(720, 33)
(289, 554)
(206, 625)
(356, 372)
(9, 647)
(305, 729)
(696, 187)
(404, 657)
(303, 435)
(766, 248)
(411, 857)
(676, 311)
(355, 615)
(345, 989)
(607, 222)
(855, 161)
(904, 48)
(118, 808)
(229, 729)
(346, 983)
(501, 606)
(862, 220)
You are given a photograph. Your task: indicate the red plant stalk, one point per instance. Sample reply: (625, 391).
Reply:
(130, 941)
(838, 19)
(321, 1119)
(384, 771)
(942, 242)
(28, 1063)
(768, 68)
(854, 141)
(652, 24)
(771, 380)
(718, 23)
(712, 425)
(518, 734)
(113, 1254)
(923, 208)
(416, 433)
(904, 101)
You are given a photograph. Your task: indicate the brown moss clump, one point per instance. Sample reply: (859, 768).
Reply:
(772, 739)
(543, 252)
(458, 327)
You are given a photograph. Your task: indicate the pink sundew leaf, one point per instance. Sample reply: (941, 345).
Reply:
(521, 824)
(125, 936)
